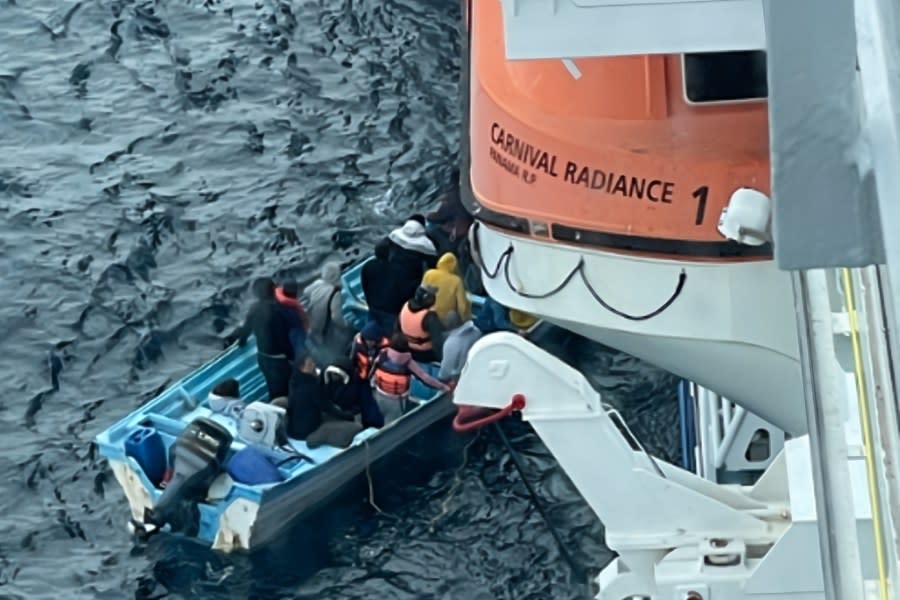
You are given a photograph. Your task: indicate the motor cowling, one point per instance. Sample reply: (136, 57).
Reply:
(197, 459)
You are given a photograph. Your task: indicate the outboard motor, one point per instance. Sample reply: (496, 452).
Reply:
(197, 458)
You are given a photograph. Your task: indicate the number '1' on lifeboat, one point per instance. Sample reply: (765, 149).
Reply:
(627, 198)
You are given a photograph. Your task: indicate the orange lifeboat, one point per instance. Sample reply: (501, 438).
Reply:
(614, 196)
(635, 154)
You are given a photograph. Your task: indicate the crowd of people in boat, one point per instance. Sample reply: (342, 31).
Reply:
(333, 381)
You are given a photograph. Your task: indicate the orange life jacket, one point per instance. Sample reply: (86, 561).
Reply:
(390, 377)
(412, 325)
(365, 354)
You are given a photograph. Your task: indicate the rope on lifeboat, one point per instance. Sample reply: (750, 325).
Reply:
(506, 256)
(469, 418)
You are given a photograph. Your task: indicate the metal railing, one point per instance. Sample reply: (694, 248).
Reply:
(875, 407)
(722, 440)
(719, 422)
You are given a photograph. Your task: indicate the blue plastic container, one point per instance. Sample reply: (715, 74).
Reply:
(146, 446)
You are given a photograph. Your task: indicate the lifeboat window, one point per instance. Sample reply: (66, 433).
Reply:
(725, 76)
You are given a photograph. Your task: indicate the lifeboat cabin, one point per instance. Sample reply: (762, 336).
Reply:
(626, 198)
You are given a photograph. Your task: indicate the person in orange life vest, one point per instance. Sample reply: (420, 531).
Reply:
(392, 375)
(367, 345)
(422, 326)
(451, 303)
(287, 296)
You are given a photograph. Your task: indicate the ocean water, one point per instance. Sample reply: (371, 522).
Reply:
(155, 156)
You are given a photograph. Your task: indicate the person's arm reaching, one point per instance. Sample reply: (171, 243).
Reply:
(427, 379)
(246, 329)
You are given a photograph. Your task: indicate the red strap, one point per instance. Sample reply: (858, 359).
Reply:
(467, 419)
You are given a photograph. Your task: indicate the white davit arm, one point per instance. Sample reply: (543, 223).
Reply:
(648, 506)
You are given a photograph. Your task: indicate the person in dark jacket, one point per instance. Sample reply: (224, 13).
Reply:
(339, 426)
(449, 223)
(271, 324)
(348, 392)
(311, 412)
(367, 345)
(385, 287)
(303, 414)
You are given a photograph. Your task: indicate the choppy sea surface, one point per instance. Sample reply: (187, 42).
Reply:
(155, 156)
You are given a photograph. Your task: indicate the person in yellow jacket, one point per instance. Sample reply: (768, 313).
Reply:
(451, 303)
(521, 320)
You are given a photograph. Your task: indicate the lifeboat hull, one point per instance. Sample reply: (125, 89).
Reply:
(729, 327)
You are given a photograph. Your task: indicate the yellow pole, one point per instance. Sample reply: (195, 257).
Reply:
(865, 417)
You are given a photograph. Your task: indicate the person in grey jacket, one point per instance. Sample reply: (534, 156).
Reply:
(460, 341)
(329, 334)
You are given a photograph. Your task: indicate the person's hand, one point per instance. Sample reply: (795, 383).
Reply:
(233, 340)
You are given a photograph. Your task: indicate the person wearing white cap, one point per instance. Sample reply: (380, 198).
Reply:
(411, 247)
